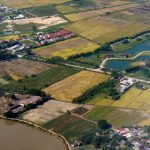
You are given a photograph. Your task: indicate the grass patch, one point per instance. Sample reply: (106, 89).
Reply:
(117, 117)
(69, 126)
(40, 80)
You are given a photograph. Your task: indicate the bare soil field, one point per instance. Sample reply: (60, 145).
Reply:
(48, 111)
(140, 13)
(88, 14)
(75, 85)
(30, 3)
(110, 3)
(49, 21)
(21, 68)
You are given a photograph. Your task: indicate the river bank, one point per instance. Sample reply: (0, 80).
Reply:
(27, 123)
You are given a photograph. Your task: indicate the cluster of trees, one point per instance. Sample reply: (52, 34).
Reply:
(133, 69)
(56, 60)
(4, 55)
(101, 138)
(108, 87)
(146, 73)
(84, 3)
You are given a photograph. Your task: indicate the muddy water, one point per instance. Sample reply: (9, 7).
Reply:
(16, 136)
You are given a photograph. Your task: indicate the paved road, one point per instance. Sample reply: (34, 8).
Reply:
(86, 68)
(139, 80)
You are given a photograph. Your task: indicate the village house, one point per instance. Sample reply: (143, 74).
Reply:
(125, 84)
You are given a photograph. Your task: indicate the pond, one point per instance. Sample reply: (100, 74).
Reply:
(16, 136)
(139, 48)
(124, 64)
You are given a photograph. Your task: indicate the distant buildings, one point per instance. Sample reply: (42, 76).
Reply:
(54, 37)
(17, 106)
(125, 84)
(136, 136)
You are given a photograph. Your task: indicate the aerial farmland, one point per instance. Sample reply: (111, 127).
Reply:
(78, 70)
(74, 86)
(67, 48)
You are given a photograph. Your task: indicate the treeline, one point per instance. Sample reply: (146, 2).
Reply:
(108, 87)
(133, 69)
(84, 3)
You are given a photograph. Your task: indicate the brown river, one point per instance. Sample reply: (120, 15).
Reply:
(16, 136)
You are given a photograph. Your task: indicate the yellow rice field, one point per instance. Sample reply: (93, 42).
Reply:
(30, 3)
(104, 30)
(133, 99)
(67, 48)
(75, 85)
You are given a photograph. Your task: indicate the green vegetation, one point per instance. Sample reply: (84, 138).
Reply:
(108, 87)
(4, 55)
(25, 28)
(84, 3)
(40, 80)
(117, 117)
(70, 126)
(45, 10)
(141, 73)
(129, 43)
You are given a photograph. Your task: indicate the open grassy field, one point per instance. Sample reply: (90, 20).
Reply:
(66, 48)
(117, 117)
(75, 85)
(65, 9)
(21, 68)
(40, 11)
(48, 111)
(40, 80)
(69, 126)
(30, 3)
(104, 30)
(103, 11)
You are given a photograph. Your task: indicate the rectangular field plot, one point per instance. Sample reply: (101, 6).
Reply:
(65, 9)
(41, 80)
(140, 13)
(133, 99)
(20, 68)
(67, 48)
(30, 3)
(48, 111)
(117, 117)
(88, 14)
(70, 126)
(104, 30)
(75, 85)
